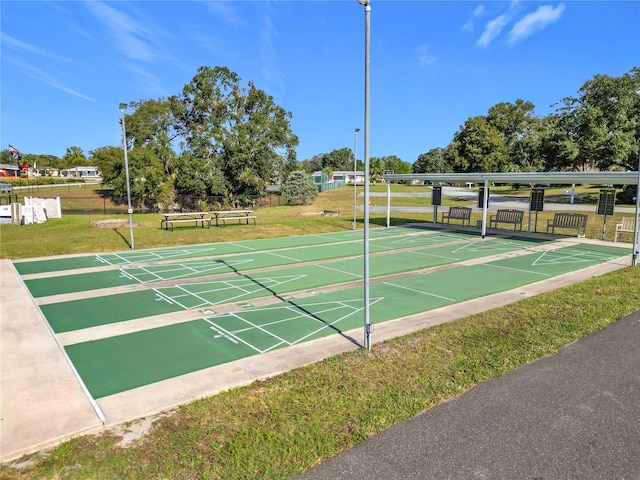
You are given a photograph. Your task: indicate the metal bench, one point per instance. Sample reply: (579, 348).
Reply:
(457, 213)
(240, 219)
(573, 221)
(511, 217)
(627, 226)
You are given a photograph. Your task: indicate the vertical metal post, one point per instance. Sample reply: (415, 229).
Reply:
(485, 204)
(636, 235)
(388, 203)
(355, 173)
(123, 107)
(368, 328)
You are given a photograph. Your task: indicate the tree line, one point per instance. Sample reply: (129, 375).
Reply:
(221, 138)
(597, 130)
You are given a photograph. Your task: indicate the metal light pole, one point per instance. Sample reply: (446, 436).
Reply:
(355, 174)
(636, 234)
(123, 107)
(368, 327)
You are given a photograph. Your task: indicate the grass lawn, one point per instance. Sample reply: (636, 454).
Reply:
(280, 427)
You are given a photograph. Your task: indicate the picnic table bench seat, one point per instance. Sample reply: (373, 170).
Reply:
(573, 221)
(239, 218)
(197, 218)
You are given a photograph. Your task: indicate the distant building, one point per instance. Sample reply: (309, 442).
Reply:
(7, 170)
(342, 177)
(81, 172)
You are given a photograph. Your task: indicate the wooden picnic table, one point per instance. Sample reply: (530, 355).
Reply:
(226, 215)
(184, 217)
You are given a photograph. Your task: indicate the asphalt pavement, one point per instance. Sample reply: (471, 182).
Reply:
(572, 415)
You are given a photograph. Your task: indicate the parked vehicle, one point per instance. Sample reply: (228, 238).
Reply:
(6, 187)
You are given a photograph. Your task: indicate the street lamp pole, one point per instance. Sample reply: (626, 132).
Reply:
(368, 327)
(123, 107)
(355, 173)
(636, 234)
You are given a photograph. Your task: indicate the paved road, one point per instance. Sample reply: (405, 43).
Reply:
(573, 415)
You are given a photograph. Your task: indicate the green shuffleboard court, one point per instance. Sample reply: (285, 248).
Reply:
(119, 363)
(244, 284)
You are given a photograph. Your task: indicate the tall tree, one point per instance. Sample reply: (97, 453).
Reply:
(74, 157)
(146, 173)
(601, 124)
(242, 130)
(432, 162)
(477, 147)
(220, 126)
(299, 189)
(519, 130)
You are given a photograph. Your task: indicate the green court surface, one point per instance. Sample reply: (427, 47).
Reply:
(94, 311)
(403, 283)
(129, 275)
(105, 365)
(27, 267)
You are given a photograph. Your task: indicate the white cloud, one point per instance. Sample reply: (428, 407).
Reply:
(47, 77)
(226, 13)
(425, 57)
(492, 30)
(534, 22)
(16, 45)
(131, 38)
(268, 53)
(478, 12)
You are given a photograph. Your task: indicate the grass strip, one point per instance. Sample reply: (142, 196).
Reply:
(280, 427)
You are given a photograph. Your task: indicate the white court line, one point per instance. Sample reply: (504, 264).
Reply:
(241, 246)
(337, 270)
(540, 257)
(463, 247)
(572, 256)
(102, 260)
(226, 332)
(283, 256)
(517, 269)
(125, 274)
(326, 325)
(420, 291)
(260, 284)
(298, 313)
(189, 294)
(259, 327)
(436, 256)
(228, 286)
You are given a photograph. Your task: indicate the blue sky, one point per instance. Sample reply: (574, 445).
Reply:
(65, 66)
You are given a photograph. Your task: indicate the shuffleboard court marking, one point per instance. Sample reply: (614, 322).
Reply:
(154, 255)
(168, 272)
(428, 238)
(570, 255)
(491, 245)
(522, 270)
(234, 290)
(285, 314)
(242, 246)
(421, 292)
(265, 328)
(286, 257)
(337, 270)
